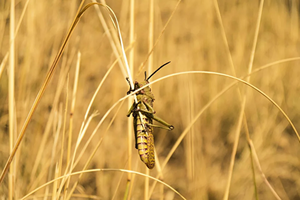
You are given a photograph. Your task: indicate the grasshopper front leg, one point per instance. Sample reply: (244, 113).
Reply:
(131, 110)
(134, 108)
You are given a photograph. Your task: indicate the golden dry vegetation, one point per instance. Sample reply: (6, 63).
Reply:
(219, 126)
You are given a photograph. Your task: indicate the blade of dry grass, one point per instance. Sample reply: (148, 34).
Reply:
(150, 36)
(223, 33)
(150, 67)
(15, 34)
(243, 105)
(3, 63)
(11, 97)
(190, 138)
(234, 73)
(112, 36)
(86, 121)
(128, 190)
(21, 17)
(45, 138)
(159, 171)
(251, 158)
(159, 36)
(79, 139)
(97, 91)
(208, 105)
(40, 94)
(261, 171)
(56, 174)
(85, 167)
(79, 14)
(63, 134)
(98, 170)
(118, 187)
(234, 149)
(84, 127)
(92, 135)
(56, 133)
(71, 165)
(95, 149)
(72, 110)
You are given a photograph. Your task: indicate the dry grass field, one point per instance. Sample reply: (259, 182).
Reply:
(233, 138)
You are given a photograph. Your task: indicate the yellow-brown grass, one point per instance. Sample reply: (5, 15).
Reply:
(201, 35)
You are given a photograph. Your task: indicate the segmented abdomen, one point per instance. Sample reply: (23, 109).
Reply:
(145, 142)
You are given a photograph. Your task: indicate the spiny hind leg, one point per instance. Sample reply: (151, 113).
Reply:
(166, 125)
(151, 115)
(158, 119)
(162, 127)
(155, 117)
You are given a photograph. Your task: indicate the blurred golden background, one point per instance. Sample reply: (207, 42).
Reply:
(206, 35)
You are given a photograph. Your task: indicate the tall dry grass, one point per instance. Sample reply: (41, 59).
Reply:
(216, 36)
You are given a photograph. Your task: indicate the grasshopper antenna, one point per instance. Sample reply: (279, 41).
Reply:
(156, 70)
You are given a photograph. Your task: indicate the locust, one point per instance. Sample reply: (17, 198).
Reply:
(143, 128)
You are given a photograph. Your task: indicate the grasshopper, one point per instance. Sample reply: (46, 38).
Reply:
(143, 129)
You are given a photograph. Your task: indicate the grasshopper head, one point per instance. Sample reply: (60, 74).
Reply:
(146, 91)
(138, 85)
